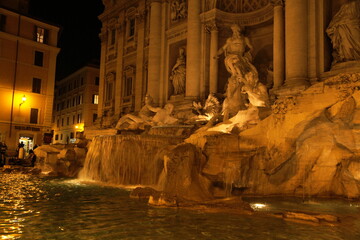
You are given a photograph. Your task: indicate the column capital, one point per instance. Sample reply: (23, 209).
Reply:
(276, 3)
(156, 1)
(103, 35)
(212, 26)
(140, 15)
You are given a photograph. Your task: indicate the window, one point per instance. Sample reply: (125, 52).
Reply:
(79, 118)
(71, 135)
(112, 37)
(95, 99)
(36, 86)
(62, 122)
(79, 99)
(58, 123)
(61, 136)
(2, 22)
(94, 117)
(131, 29)
(41, 34)
(108, 91)
(39, 58)
(34, 115)
(57, 137)
(81, 81)
(97, 81)
(128, 87)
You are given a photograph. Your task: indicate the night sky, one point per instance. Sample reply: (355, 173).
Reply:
(79, 35)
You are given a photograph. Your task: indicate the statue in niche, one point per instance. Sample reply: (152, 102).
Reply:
(178, 73)
(344, 32)
(244, 79)
(178, 10)
(147, 116)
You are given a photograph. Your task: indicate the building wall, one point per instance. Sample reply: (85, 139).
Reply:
(67, 108)
(289, 40)
(18, 69)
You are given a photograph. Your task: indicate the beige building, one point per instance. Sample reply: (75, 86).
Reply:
(141, 42)
(76, 102)
(28, 51)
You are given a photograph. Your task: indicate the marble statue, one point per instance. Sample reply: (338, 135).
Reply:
(244, 76)
(148, 116)
(237, 51)
(178, 73)
(344, 32)
(178, 10)
(164, 116)
(144, 117)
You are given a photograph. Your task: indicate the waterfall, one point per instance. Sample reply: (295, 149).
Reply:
(124, 159)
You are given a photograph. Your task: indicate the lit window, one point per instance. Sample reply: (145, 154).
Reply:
(95, 99)
(41, 34)
(79, 118)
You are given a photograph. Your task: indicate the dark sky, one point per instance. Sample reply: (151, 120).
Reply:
(80, 27)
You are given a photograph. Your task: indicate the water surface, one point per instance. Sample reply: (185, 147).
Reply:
(53, 208)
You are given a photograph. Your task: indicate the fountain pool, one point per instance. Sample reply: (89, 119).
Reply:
(33, 208)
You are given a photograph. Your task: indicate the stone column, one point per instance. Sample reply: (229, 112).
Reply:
(193, 52)
(140, 21)
(279, 44)
(154, 50)
(296, 47)
(103, 37)
(120, 35)
(214, 42)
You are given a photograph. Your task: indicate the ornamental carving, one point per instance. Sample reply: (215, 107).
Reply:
(244, 19)
(283, 105)
(178, 10)
(241, 6)
(345, 83)
(277, 2)
(140, 16)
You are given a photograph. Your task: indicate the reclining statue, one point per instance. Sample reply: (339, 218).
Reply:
(147, 116)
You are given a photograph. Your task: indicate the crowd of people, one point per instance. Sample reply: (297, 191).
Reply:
(23, 159)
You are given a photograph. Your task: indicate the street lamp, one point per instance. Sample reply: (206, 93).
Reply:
(23, 100)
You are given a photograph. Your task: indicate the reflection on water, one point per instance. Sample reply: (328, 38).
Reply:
(34, 208)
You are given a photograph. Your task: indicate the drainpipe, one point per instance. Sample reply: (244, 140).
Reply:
(15, 75)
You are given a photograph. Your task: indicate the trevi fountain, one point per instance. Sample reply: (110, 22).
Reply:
(247, 124)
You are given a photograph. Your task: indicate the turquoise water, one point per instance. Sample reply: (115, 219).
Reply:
(52, 208)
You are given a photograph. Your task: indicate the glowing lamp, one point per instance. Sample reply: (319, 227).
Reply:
(23, 100)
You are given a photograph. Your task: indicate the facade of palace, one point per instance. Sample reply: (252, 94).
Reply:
(28, 51)
(169, 48)
(75, 104)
